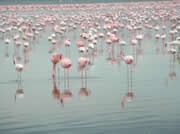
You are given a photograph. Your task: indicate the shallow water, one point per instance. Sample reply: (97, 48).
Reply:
(154, 109)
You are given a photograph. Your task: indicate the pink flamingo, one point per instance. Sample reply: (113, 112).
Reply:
(130, 95)
(101, 36)
(66, 64)
(83, 63)
(172, 73)
(127, 59)
(80, 44)
(19, 92)
(171, 50)
(67, 43)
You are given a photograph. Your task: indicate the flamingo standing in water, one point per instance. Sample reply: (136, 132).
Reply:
(130, 95)
(127, 59)
(66, 64)
(83, 63)
(19, 92)
(172, 73)
(67, 43)
(171, 50)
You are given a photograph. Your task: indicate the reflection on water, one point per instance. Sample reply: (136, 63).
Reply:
(19, 92)
(97, 68)
(129, 96)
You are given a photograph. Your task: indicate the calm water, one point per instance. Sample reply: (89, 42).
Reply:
(155, 108)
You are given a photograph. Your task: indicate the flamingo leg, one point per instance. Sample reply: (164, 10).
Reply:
(85, 78)
(68, 78)
(82, 78)
(64, 78)
(20, 78)
(66, 50)
(58, 75)
(69, 52)
(18, 84)
(128, 77)
(131, 78)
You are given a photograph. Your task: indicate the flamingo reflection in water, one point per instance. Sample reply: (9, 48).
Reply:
(63, 97)
(129, 97)
(7, 50)
(19, 92)
(56, 92)
(83, 64)
(66, 96)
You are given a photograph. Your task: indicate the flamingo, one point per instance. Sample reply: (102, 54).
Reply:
(67, 43)
(127, 59)
(66, 64)
(130, 95)
(83, 63)
(80, 44)
(172, 73)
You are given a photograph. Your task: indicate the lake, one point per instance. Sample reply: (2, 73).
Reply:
(115, 98)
